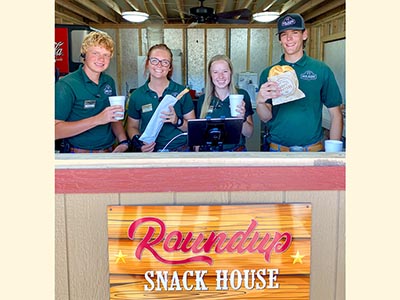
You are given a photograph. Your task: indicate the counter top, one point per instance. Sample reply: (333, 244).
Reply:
(192, 159)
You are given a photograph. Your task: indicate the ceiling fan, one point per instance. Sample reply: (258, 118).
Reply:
(203, 14)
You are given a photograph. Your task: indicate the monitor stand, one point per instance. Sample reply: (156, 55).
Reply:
(214, 143)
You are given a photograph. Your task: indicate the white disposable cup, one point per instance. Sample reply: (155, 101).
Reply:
(234, 101)
(118, 100)
(333, 146)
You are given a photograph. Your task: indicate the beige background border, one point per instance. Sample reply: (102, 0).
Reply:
(27, 222)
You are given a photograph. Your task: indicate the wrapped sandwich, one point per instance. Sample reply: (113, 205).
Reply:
(288, 83)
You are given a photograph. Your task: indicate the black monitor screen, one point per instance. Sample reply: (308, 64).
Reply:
(214, 132)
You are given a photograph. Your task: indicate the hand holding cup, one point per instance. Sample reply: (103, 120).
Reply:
(235, 102)
(118, 100)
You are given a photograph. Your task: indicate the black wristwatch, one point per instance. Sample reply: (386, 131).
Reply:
(179, 123)
(125, 142)
(136, 143)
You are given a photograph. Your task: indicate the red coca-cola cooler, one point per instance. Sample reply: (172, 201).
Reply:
(67, 47)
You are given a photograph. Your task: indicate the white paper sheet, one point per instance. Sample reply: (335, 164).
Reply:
(153, 128)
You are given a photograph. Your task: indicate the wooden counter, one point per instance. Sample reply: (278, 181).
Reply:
(85, 184)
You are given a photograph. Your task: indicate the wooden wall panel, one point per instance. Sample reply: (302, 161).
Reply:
(333, 26)
(341, 246)
(212, 198)
(81, 217)
(86, 219)
(256, 197)
(166, 198)
(324, 240)
(61, 265)
(182, 179)
(87, 230)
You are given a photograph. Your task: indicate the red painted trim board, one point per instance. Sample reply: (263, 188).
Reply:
(191, 179)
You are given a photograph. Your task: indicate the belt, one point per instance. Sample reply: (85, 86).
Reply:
(80, 150)
(309, 148)
(240, 148)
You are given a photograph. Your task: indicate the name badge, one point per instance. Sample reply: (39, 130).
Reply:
(147, 108)
(89, 104)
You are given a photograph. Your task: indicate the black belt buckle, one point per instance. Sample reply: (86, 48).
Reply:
(265, 142)
(65, 146)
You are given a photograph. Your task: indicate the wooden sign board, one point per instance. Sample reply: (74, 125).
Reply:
(210, 252)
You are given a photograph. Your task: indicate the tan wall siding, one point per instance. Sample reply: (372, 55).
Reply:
(81, 236)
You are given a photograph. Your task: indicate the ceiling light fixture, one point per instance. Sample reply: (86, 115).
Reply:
(265, 16)
(135, 16)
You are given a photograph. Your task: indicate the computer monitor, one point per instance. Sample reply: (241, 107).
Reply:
(213, 133)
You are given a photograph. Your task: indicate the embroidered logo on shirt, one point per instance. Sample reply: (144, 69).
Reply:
(107, 90)
(308, 75)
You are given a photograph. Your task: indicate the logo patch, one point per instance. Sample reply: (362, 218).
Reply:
(308, 75)
(288, 21)
(107, 90)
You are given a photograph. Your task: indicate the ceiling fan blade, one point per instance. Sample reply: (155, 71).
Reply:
(238, 16)
(183, 12)
(232, 21)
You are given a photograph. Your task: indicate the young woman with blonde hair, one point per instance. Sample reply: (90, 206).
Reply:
(215, 101)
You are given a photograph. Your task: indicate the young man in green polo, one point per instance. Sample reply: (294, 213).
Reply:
(83, 115)
(297, 125)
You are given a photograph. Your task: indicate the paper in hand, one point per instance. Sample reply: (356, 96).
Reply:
(156, 123)
(153, 128)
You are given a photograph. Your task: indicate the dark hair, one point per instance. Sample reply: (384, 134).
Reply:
(162, 47)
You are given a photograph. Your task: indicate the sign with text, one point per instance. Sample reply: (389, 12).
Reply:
(259, 251)
(61, 54)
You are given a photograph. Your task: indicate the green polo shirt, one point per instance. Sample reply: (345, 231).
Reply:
(300, 122)
(143, 103)
(76, 98)
(220, 108)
